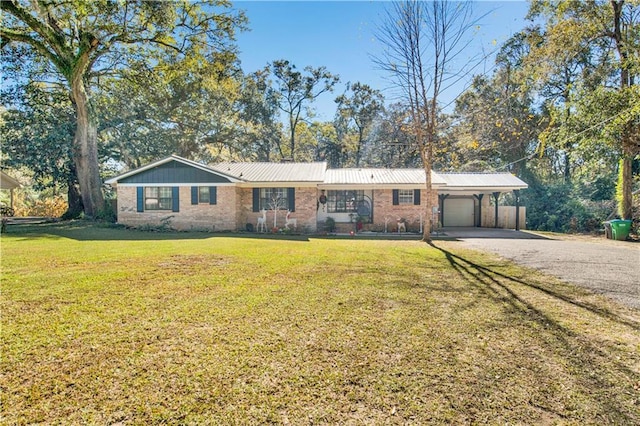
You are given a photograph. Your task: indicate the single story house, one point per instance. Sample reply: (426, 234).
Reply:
(187, 195)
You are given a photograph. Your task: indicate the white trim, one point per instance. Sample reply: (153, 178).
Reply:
(278, 185)
(179, 185)
(379, 186)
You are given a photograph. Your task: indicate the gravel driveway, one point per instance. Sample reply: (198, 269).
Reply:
(604, 266)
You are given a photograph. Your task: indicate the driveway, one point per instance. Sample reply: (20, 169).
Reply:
(604, 266)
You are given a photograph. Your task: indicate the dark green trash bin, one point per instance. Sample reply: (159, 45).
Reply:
(620, 229)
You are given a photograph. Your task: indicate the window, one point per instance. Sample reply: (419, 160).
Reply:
(158, 198)
(274, 199)
(344, 201)
(405, 196)
(203, 194)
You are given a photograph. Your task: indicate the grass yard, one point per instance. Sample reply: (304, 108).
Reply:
(110, 326)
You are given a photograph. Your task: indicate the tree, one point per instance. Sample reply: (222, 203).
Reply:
(258, 109)
(361, 108)
(188, 108)
(421, 40)
(608, 33)
(392, 143)
(296, 91)
(39, 130)
(498, 125)
(329, 148)
(82, 39)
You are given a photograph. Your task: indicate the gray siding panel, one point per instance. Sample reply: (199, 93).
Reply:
(174, 172)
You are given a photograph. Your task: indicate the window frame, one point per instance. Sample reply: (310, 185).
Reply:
(406, 196)
(202, 200)
(266, 197)
(163, 203)
(340, 200)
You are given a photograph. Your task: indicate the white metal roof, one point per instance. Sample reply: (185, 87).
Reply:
(482, 180)
(263, 173)
(274, 172)
(371, 176)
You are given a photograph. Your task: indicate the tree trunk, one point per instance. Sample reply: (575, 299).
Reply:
(627, 178)
(74, 201)
(74, 198)
(85, 148)
(627, 136)
(426, 152)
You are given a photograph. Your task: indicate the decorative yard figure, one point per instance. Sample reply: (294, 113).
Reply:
(290, 221)
(262, 221)
(401, 225)
(387, 219)
(419, 217)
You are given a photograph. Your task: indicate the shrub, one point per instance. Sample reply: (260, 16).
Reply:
(330, 224)
(47, 207)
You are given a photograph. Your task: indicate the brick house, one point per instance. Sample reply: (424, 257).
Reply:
(187, 195)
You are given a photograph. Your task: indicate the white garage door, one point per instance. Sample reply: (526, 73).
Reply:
(458, 212)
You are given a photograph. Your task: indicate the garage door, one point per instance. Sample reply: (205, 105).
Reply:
(458, 212)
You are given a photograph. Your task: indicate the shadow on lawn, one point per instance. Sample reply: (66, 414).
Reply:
(94, 231)
(487, 278)
(586, 357)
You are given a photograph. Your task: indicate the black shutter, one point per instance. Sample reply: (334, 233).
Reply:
(256, 199)
(175, 198)
(194, 195)
(140, 198)
(416, 197)
(291, 197)
(213, 195)
(396, 197)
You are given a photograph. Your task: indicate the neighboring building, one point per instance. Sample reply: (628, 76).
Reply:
(187, 195)
(10, 184)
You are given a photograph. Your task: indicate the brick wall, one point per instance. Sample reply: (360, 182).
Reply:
(383, 208)
(198, 217)
(234, 210)
(305, 213)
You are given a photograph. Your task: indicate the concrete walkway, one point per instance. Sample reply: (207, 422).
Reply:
(604, 266)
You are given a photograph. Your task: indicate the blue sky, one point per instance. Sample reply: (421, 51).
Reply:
(340, 35)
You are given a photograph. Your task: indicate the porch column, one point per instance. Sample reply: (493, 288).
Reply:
(441, 198)
(479, 198)
(516, 194)
(496, 195)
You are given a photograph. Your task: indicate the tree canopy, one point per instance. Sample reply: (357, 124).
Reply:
(82, 40)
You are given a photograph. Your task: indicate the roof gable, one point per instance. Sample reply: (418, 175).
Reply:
(173, 170)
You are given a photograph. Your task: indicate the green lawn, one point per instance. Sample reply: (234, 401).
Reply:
(104, 325)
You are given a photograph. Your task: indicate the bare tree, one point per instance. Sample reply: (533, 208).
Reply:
(422, 41)
(296, 90)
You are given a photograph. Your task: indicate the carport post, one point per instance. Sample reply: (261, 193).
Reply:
(496, 195)
(441, 198)
(516, 194)
(479, 198)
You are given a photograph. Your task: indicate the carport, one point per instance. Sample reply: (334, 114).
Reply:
(461, 200)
